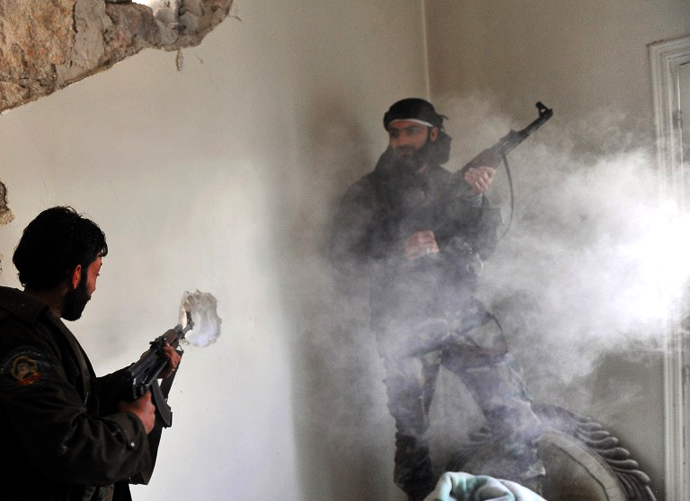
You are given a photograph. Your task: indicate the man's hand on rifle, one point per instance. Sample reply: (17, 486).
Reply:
(480, 179)
(421, 243)
(142, 408)
(173, 361)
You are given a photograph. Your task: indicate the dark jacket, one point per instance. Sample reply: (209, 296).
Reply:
(385, 207)
(62, 437)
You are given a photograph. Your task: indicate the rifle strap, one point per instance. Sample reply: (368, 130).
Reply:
(512, 195)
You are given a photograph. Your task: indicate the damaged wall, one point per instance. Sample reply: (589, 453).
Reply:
(6, 215)
(46, 46)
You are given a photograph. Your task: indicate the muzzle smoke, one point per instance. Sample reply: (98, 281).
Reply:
(203, 309)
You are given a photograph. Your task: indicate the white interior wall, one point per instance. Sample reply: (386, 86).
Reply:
(589, 62)
(222, 177)
(585, 56)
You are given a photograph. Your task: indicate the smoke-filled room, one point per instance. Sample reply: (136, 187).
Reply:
(402, 250)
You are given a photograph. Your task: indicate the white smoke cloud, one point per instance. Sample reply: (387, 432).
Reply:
(203, 309)
(595, 260)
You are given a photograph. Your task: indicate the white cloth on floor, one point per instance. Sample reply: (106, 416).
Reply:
(460, 486)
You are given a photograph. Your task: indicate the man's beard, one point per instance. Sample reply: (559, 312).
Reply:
(75, 300)
(409, 159)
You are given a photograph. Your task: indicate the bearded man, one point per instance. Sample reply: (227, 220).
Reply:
(66, 434)
(416, 233)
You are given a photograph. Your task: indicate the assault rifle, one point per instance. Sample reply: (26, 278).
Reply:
(142, 375)
(457, 186)
(493, 155)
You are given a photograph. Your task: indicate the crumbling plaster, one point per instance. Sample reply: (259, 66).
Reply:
(6, 215)
(46, 46)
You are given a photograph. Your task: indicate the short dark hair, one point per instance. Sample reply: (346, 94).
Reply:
(53, 244)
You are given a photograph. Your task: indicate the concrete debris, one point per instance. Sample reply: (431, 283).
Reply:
(6, 216)
(46, 46)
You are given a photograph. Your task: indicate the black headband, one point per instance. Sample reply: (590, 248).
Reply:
(413, 108)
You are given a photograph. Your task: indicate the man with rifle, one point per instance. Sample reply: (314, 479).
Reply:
(417, 234)
(67, 435)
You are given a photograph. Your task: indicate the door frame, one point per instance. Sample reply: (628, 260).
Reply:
(666, 57)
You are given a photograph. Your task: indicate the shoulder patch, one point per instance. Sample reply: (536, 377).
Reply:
(23, 370)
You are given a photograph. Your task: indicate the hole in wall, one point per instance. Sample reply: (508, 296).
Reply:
(165, 11)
